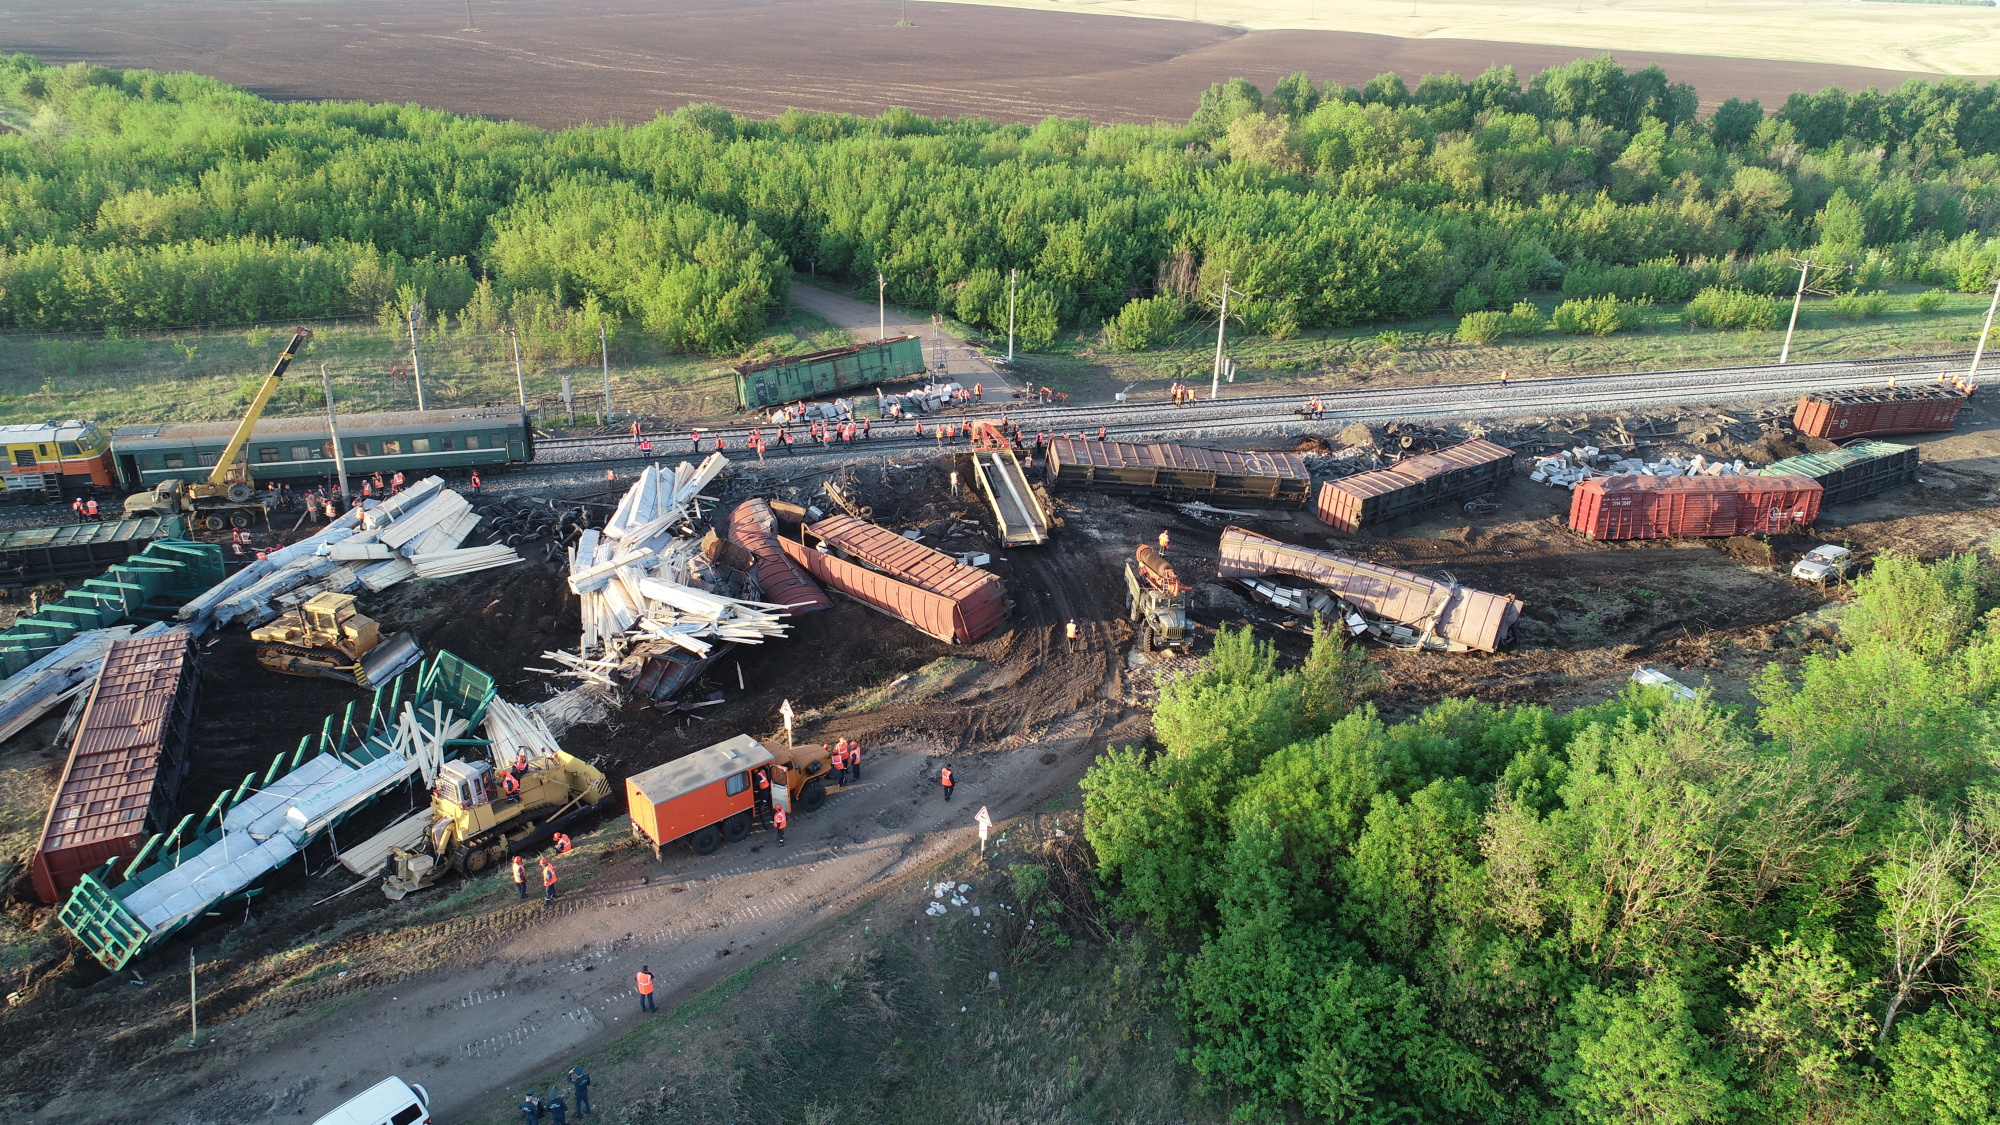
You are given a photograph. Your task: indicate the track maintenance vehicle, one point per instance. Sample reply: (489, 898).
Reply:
(711, 796)
(1156, 601)
(228, 496)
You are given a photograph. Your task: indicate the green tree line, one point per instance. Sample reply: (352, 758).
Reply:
(1648, 910)
(133, 198)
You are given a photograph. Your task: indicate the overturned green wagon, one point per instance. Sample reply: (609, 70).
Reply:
(775, 382)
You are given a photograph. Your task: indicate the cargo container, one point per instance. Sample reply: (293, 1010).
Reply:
(34, 554)
(1857, 471)
(1639, 507)
(775, 382)
(1175, 472)
(936, 593)
(1466, 469)
(1452, 616)
(1840, 415)
(126, 764)
(753, 526)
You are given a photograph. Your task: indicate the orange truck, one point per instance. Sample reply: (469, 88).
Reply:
(709, 796)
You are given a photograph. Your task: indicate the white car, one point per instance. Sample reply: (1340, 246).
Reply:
(1823, 564)
(391, 1101)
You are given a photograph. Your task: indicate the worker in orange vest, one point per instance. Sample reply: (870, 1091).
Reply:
(77, 507)
(90, 507)
(521, 876)
(475, 480)
(944, 779)
(778, 822)
(646, 989)
(521, 763)
(510, 785)
(854, 761)
(548, 881)
(764, 789)
(1163, 540)
(1069, 631)
(840, 762)
(562, 843)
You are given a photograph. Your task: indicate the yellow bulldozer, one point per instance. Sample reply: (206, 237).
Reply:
(478, 820)
(327, 636)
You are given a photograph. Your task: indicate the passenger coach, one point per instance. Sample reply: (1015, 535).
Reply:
(301, 448)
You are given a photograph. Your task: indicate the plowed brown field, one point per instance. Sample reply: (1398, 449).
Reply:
(594, 60)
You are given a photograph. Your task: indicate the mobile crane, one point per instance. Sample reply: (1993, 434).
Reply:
(228, 496)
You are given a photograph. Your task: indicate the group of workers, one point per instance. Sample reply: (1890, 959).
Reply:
(534, 1106)
(508, 781)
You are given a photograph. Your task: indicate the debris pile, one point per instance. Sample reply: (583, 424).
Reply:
(1577, 464)
(413, 534)
(648, 587)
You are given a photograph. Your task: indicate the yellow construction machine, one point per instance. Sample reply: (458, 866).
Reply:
(327, 636)
(476, 823)
(226, 497)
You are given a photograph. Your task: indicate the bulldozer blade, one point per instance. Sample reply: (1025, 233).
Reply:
(393, 655)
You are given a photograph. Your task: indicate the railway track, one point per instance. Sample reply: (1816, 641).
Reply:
(1253, 413)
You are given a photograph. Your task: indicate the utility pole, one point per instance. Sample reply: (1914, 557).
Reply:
(1011, 276)
(520, 381)
(604, 345)
(1979, 351)
(568, 401)
(1805, 264)
(194, 1018)
(416, 368)
(1221, 326)
(881, 306)
(333, 435)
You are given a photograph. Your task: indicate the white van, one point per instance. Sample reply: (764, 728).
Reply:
(391, 1101)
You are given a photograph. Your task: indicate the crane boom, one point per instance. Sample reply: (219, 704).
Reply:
(219, 478)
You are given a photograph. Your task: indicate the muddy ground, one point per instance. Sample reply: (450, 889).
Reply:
(626, 60)
(1022, 711)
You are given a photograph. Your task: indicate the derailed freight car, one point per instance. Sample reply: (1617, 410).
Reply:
(1641, 507)
(754, 527)
(1839, 415)
(791, 378)
(126, 765)
(1853, 473)
(932, 591)
(1433, 613)
(1364, 499)
(1271, 480)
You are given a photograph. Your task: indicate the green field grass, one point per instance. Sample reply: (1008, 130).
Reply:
(209, 375)
(1426, 350)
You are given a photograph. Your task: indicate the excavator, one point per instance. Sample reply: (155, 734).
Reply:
(1156, 601)
(226, 497)
(328, 637)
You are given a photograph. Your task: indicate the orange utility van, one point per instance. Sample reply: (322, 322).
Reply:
(710, 795)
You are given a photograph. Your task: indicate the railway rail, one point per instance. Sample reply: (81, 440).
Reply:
(1228, 417)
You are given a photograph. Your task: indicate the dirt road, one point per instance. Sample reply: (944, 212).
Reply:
(531, 987)
(868, 322)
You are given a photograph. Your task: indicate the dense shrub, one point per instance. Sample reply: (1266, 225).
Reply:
(1650, 910)
(1860, 306)
(1929, 301)
(1596, 316)
(1145, 322)
(1716, 307)
(1524, 319)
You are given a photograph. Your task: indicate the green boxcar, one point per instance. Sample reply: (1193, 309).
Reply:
(794, 378)
(1852, 472)
(301, 448)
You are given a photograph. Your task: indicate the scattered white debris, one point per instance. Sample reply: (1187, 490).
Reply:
(1580, 463)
